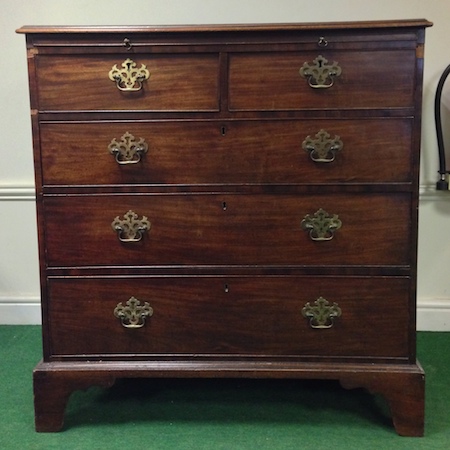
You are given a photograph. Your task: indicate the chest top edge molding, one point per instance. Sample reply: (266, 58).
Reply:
(313, 26)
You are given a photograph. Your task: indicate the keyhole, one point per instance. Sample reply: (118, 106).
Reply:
(226, 288)
(223, 130)
(224, 206)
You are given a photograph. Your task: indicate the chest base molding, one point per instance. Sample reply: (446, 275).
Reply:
(402, 386)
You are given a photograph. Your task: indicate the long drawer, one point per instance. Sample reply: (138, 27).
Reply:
(197, 152)
(229, 315)
(204, 229)
(272, 81)
(173, 82)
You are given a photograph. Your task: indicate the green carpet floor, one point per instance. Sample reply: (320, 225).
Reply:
(217, 414)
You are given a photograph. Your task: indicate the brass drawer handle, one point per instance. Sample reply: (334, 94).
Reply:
(129, 78)
(322, 148)
(128, 150)
(130, 228)
(322, 42)
(321, 314)
(127, 44)
(319, 73)
(133, 314)
(321, 225)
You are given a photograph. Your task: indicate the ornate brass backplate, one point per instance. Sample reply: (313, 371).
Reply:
(319, 73)
(128, 150)
(321, 225)
(130, 228)
(322, 148)
(321, 314)
(133, 314)
(129, 77)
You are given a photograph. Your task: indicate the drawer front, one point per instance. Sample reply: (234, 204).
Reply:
(271, 81)
(186, 152)
(253, 316)
(192, 229)
(175, 83)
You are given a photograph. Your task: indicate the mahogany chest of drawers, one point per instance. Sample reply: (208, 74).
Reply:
(228, 201)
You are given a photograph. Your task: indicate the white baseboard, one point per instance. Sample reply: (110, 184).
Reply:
(20, 311)
(432, 314)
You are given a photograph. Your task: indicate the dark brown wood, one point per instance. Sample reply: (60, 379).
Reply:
(369, 25)
(52, 389)
(263, 81)
(226, 266)
(401, 385)
(375, 230)
(216, 152)
(404, 393)
(186, 309)
(176, 83)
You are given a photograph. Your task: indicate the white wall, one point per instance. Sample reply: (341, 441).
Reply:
(19, 285)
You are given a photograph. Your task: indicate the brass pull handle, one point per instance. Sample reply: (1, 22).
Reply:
(127, 44)
(129, 78)
(319, 73)
(130, 228)
(321, 314)
(322, 42)
(321, 225)
(133, 314)
(322, 148)
(128, 150)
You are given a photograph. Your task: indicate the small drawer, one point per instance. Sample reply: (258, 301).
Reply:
(244, 316)
(168, 83)
(269, 81)
(216, 229)
(224, 152)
